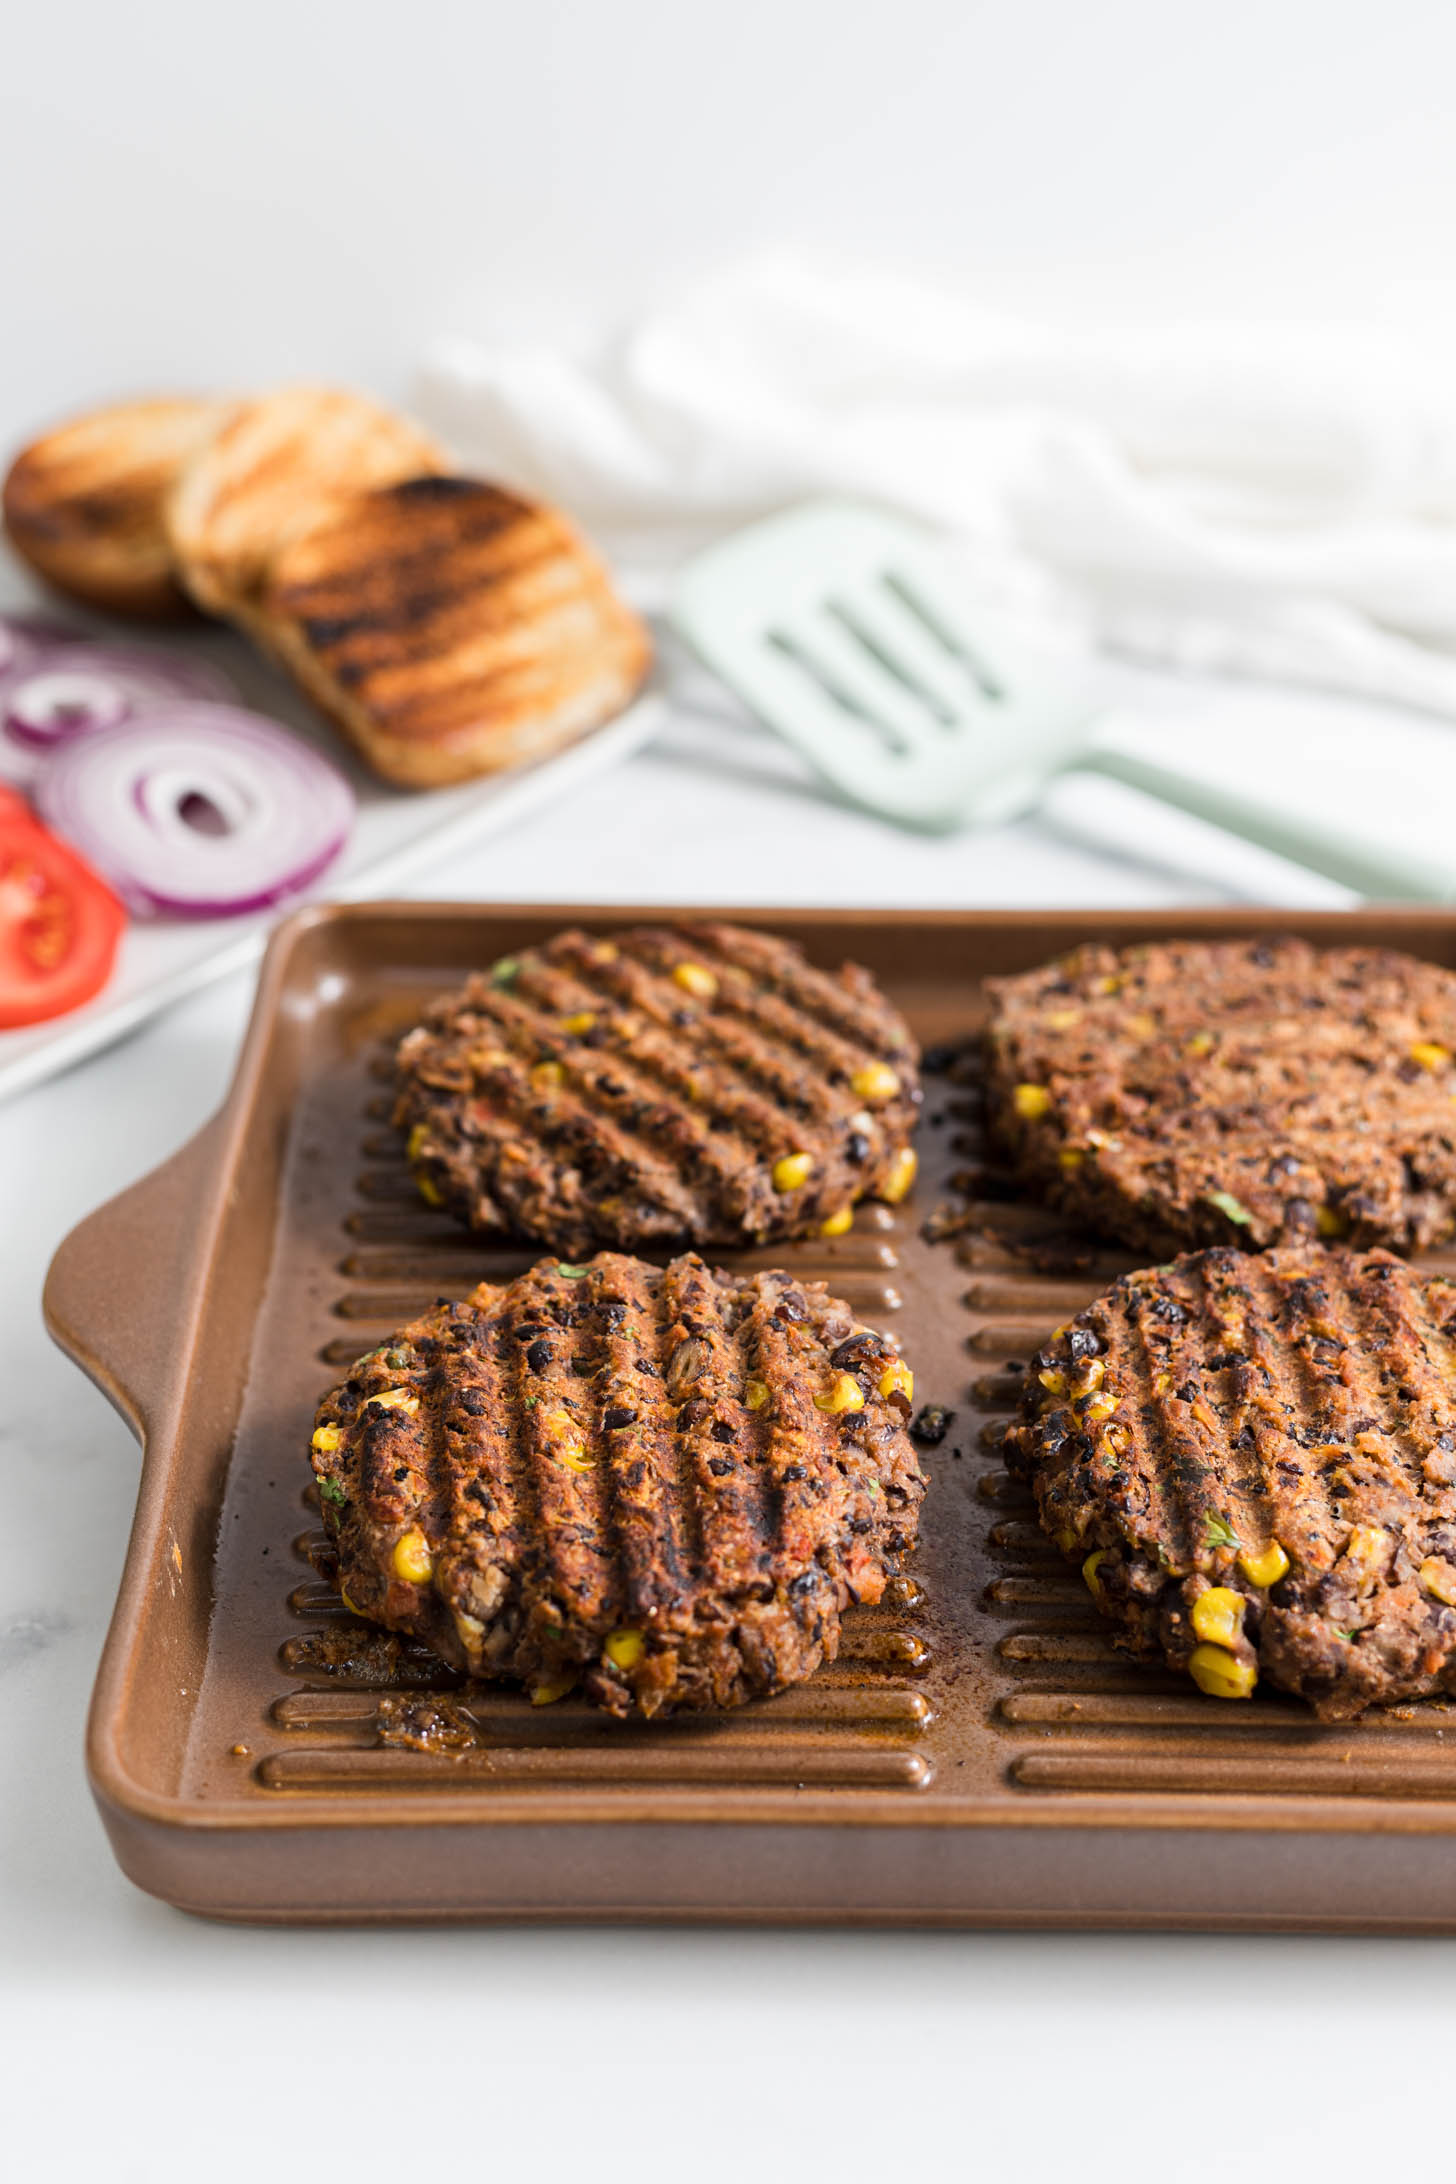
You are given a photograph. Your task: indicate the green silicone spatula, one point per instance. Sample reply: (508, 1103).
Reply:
(843, 629)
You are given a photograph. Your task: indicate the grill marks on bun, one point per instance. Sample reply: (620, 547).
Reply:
(85, 505)
(452, 628)
(271, 467)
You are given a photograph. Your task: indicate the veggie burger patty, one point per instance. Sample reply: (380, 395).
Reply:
(700, 1085)
(1232, 1092)
(1253, 1459)
(663, 1484)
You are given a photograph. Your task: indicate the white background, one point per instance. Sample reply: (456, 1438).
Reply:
(202, 195)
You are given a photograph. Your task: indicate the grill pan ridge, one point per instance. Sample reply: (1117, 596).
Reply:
(979, 1754)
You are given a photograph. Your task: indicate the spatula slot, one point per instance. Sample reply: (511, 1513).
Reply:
(829, 685)
(945, 636)
(879, 650)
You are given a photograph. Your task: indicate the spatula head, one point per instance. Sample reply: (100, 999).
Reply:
(843, 629)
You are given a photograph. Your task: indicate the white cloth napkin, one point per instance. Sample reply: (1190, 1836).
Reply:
(1281, 505)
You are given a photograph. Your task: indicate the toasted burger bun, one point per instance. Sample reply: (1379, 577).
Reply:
(84, 505)
(271, 467)
(451, 629)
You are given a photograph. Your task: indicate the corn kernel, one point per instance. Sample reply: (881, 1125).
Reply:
(903, 1170)
(1200, 1043)
(1141, 1026)
(546, 1076)
(876, 1082)
(1067, 1539)
(793, 1171)
(428, 1190)
(838, 1224)
(1438, 1578)
(550, 1689)
(1031, 1101)
(1217, 1615)
(697, 979)
(1430, 1054)
(1090, 1568)
(567, 1445)
(1107, 985)
(1054, 1382)
(417, 1138)
(351, 1605)
(755, 1394)
(898, 1378)
(1367, 1547)
(1329, 1221)
(327, 1439)
(1098, 1406)
(581, 1021)
(605, 951)
(1221, 1674)
(1090, 1372)
(412, 1558)
(1071, 1156)
(1061, 1019)
(1266, 1567)
(625, 1648)
(843, 1393)
(399, 1399)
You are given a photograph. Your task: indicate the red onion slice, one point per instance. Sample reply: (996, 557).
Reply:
(73, 690)
(199, 810)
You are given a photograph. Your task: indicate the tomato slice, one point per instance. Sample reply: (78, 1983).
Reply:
(14, 809)
(59, 924)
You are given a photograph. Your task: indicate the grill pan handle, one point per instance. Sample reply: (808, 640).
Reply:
(118, 1286)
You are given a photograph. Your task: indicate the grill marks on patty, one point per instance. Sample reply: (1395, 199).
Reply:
(583, 1094)
(597, 1499)
(1302, 1397)
(1233, 1092)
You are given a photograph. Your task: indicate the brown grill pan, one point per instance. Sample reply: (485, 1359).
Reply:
(978, 1755)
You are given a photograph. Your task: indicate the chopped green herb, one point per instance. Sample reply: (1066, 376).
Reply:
(1227, 1204)
(1220, 1532)
(330, 1490)
(571, 1273)
(504, 971)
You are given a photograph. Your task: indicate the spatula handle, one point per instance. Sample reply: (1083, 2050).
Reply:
(1386, 874)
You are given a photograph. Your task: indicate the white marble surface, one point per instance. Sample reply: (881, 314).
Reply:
(142, 2044)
